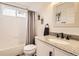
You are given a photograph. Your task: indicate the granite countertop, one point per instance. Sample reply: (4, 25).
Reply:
(71, 46)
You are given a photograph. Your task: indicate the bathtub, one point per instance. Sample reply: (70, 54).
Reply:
(12, 51)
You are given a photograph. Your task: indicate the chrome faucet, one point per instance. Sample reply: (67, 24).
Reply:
(62, 35)
(57, 35)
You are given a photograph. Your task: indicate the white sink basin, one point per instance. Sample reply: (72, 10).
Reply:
(58, 41)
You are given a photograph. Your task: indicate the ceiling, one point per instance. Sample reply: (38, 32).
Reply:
(34, 4)
(30, 5)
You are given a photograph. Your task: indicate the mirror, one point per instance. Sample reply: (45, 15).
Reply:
(66, 14)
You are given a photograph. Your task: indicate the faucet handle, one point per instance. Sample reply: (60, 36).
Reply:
(57, 35)
(68, 37)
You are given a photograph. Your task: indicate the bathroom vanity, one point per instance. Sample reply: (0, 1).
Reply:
(52, 46)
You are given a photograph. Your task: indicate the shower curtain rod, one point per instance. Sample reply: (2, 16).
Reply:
(16, 6)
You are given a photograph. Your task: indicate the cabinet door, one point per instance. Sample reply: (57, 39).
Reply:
(59, 52)
(43, 49)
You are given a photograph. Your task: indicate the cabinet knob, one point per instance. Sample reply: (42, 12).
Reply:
(50, 53)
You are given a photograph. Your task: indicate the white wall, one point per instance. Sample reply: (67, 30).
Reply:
(48, 14)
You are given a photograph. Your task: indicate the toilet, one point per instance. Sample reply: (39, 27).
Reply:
(30, 50)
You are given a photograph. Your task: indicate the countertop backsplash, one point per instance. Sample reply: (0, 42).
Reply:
(71, 36)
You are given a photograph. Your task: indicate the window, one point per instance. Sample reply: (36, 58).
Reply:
(21, 14)
(12, 11)
(9, 11)
(0, 11)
